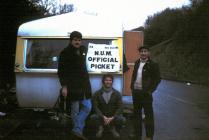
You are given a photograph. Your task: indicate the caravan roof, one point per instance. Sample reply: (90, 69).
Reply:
(90, 25)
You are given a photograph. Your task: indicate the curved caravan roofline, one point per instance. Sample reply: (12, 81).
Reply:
(62, 25)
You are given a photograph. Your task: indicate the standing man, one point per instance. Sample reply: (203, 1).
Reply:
(75, 82)
(145, 79)
(107, 103)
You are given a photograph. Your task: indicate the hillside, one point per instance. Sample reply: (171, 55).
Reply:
(178, 63)
(179, 41)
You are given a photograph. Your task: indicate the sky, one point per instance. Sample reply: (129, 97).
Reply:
(132, 13)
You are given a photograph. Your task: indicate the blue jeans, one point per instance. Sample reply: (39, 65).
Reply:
(79, 112)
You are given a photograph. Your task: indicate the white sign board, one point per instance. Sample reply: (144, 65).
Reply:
(103, 58)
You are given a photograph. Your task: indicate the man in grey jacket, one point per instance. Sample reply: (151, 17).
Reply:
(107, 104)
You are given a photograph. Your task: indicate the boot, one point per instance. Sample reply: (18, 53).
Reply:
(148, 138)
(78, 135)
(134, 136)
(114, 132)
(100, 132)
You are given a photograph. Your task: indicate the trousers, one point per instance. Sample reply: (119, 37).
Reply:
(143, 100)
(79, 112)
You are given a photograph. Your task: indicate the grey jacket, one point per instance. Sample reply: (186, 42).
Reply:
(112, 108)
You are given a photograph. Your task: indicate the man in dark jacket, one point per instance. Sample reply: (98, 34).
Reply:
(107, 103)
(75, 82)
(145, 79)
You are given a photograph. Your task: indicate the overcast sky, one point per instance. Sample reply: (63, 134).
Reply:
(133, 13)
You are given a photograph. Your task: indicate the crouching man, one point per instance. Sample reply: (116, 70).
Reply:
(107, 104)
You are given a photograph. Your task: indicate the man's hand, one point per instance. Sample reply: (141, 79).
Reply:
(107, 120)
(64, 91)
(110, 119)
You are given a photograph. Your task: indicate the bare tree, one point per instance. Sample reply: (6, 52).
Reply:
(65, 8)
(51, 7)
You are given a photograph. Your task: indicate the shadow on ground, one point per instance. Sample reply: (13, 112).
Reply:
(47, 125)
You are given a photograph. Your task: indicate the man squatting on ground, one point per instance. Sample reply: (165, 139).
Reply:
(145, 79)
(75, 83)
(107, 104)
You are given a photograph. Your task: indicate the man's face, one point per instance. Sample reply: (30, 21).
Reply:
(76, 42)
(108, 82)
(144, 54)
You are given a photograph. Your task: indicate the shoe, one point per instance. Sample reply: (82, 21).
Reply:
(80, 136)
(100, 132)
(114, 132)
(148, 138)
(2, 114)
(134, 136)
(143, 117)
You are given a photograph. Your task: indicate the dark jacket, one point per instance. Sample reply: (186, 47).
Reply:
(73, 73)
(114, 106)
(150, 76)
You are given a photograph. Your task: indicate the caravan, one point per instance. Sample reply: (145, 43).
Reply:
(39, 43)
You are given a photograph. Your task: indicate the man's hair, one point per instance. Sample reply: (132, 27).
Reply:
(143, 47)
(105, 76)
(75, 34)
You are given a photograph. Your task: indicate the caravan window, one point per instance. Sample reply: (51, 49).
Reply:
(44, 53)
